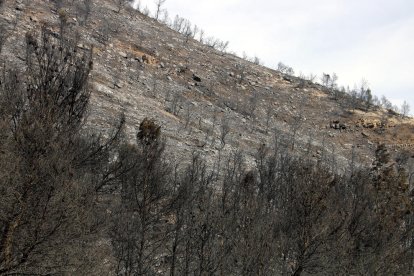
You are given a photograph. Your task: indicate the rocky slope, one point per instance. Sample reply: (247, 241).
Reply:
(205, 100)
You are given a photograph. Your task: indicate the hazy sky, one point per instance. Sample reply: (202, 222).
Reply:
(356, 39)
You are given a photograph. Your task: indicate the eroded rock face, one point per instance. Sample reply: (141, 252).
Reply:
(372, 123)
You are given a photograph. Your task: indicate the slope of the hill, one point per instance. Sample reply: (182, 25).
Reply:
(205, 101)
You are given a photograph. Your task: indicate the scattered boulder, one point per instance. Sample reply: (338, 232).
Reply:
(20, 7)
(338, 125)
(196, 78)
(145, 59)
(170, 47)
(370, 125)
(181, 69)
(34, 19)
(392, 112)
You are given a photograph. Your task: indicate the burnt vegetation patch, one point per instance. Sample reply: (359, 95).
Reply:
(287, 215)
(78, 201)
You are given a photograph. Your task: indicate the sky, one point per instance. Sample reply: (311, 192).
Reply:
(356, 39)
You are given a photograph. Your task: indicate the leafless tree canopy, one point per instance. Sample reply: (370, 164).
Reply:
(405, 108)
(159, 10)
(49, 171)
